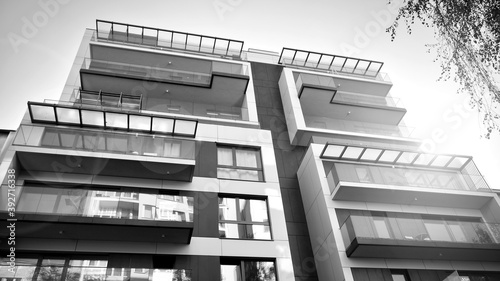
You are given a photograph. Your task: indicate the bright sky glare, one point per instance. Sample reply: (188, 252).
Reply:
(39, 40)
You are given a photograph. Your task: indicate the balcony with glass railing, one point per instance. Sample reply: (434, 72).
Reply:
(407, 177)
(418, 237)
(57, 269)
(394, 176)
(175, 157)
(100, 209)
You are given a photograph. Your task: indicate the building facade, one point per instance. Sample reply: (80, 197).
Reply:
(178, 156)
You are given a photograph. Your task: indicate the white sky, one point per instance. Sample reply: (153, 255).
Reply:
(36, 65)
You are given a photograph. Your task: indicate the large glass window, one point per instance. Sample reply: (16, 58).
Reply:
(123, 203)
(243, 218)
(49, 269)
(248, 270)
(239, 163)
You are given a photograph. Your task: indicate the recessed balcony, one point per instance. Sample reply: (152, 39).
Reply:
(73, 213)
(409, 237)
(105, 153)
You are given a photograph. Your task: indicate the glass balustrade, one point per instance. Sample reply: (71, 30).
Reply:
(105, 141)
(410, 227)
(112, 204)
(56, 269)
(453, 180)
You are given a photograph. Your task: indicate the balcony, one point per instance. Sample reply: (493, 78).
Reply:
(323, 106)
(449, 181)
(74, 213)
(322, 94)
(161, 39)
(106, 152)
(170, 83)
(157, 68)
(408, 236)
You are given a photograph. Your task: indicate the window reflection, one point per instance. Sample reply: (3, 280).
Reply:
(399, 226)
(118, 143)
(243, 218)
(402, 176)
(104, 204)
(83, 270)
(248, 270)
(239, 163)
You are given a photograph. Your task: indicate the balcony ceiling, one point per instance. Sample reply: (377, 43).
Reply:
(316, 102)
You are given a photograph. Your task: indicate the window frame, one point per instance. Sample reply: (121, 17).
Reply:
(400, 272)
(239, 221)
(241, 264)
(234, 166)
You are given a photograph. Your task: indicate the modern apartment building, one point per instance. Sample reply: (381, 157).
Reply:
(179, 156)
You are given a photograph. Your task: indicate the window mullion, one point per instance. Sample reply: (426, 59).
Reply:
(237, 207)
(243, 277)
(65, 269)
(37, 269)
(234, 157)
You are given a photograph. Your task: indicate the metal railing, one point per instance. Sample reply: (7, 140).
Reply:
(105, 99)
(170, 39)
(333, 64)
